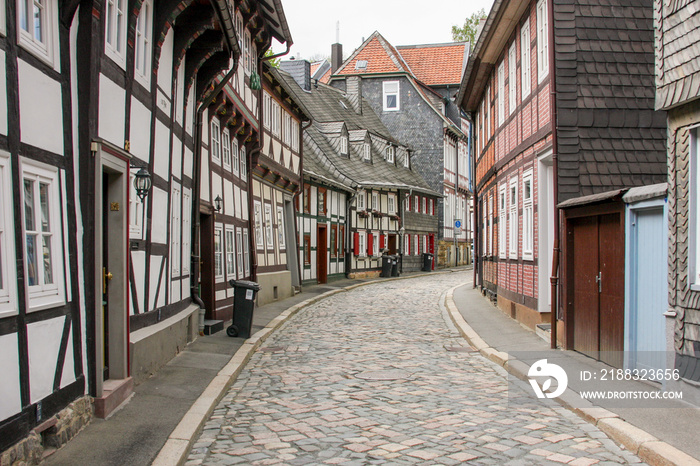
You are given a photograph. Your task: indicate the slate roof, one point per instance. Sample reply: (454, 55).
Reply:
(330, 111)
(436, 64)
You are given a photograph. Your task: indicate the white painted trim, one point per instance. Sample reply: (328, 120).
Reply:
(8, 291)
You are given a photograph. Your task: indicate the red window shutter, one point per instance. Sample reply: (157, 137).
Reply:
(357, 244)
(370, 244)
(381, 241)
(419, 204)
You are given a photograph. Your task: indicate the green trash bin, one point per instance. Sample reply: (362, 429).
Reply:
(243, 304)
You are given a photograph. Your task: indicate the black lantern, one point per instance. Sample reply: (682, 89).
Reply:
(142, 183)
(217, 203)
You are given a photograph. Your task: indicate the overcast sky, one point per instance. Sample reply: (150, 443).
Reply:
(401, 22)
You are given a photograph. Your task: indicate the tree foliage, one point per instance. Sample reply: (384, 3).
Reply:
(275, 62)
(467, 32)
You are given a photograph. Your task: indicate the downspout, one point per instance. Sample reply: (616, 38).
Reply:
(348, 227)
(300, 190)
(554, 279)
(403, 224)
(194, 266)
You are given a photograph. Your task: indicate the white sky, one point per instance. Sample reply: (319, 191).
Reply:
(402, 22)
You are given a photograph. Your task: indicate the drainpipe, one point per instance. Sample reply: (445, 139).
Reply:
(348, 227)
(554, 279)
(196, 250)
(403, 224)
(476, 238)
(300, 190)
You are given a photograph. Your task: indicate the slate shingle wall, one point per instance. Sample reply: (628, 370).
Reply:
(609, 134)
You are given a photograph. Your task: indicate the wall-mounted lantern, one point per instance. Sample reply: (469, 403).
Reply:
(142, 183)
(217, 203)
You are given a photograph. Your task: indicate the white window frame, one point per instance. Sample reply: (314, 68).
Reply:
(239, 30)
(344, 144)
(528, 217)
(257, 217)
(484, 226)
(513, 219)
(247, 51)
(416, 249)
(239, 252)
(116, 15)
(488, 116)
(366, 151)
(42, 296)
(175, 230)
(295, 135)
(235, 162)
(269, 236)
(246, 254)
(286, 128)
(375, 244)
(502, 219)
(186, 230)
(389, 89)
(282, 243)
(512, 79)
(491, 207)
(525, 76)
(390, 153)
(143, 42)
(361, 201)
(694, 210)
(230, 249)
(3, 27)
(391, 204)
(375, 200)
(362, 243)
(218, 253)
(416, 204)
(501, 92)
(542, 41)
(42, 48)
(215, 141)
(407, 245)
(267, 109)
(425, 205)
(226, 149)
(8, 271)
(244, 162)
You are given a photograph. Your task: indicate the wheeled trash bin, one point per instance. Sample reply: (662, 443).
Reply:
(427, 262)
(244, 293)
(387, 262)
(395, 266)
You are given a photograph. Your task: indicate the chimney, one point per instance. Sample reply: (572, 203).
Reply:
(336, 57)
(354, 93)
(300, 70)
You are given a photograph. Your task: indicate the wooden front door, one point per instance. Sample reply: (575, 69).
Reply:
(596, 286)
(321, 255)
(206, 275)
(392, 244)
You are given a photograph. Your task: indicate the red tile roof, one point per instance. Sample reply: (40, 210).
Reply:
(379, 59)
(326, 77)
(435, 64)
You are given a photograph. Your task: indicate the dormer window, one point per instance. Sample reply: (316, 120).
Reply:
(366, 151)
(344, 145)
(390, 153)
(361, 65)
(406, 159)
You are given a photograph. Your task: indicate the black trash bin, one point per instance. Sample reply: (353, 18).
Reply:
(427, 262)
(395, 266)
(244, 293)
(386, 266)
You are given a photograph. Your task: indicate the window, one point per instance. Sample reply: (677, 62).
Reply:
(218, 253)
(268, 227)
(425, 205)
(334, 240)
(42, 236)
(3, 29)
(37, 22)
(239, 30)
(321, 198)
(407, 160)
(143, 43)
(341, 241)
(230, 254)
(307, 249)
(115, 34)
(361, 200)
(246, 253)
(215, 141)
(267, 109)
(375, 244)
(488, 114)
(416, 204)
(432, 207)
(528, 235)
(362, 244)
(502, 215)
(280, 228)
(186, 229)
(542, 41)
(407, 245)
(244, 163)
(501, 92)
(287, 128)
(275, 117)
(8, 292)
(484, 226)
(257, 215)
(525, 59)
(175, 224)
(390, 153)
(226, 149)
(375, 200)
(392, 204)
(234, 157)
(512, 87)
(391, 96)
(416, 245)
(366, 151)
(513, 219)
(344, 144)
(295, 136)
(239, 252)
(694, 233)
(491, 221)
(247, 52)
(307, 199)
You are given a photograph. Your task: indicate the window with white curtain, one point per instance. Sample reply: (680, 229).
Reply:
(115, 29)
(501, 93)
(512, 84)
(502, 217)
(226, 148)
(528, 216)
(143, 43)
(513, 219)
(525, 76)
(542, 41)
(215, 141)
(175, 225)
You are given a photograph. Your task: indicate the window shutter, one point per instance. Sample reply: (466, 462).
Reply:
(381, 241)
(418, 206)
(357, 244)
(408, 238)
(370, 244)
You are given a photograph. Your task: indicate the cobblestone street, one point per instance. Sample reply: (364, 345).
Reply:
(378, 375)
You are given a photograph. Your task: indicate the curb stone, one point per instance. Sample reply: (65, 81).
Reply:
(180, 441)
(649, 449)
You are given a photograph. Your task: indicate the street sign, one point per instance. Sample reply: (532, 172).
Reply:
(458, 224)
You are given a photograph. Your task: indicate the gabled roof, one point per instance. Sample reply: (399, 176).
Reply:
(436, 64)
(375, 55)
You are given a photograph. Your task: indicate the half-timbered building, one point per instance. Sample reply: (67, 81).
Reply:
(96, 95)
(607, 137)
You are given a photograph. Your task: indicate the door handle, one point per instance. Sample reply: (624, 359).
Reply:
(105, 276)
(599, 280)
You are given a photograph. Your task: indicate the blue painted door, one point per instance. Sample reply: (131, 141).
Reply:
(647, 341)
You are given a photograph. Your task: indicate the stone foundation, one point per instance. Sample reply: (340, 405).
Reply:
(523, 314)
(50, 435)
(370, 274)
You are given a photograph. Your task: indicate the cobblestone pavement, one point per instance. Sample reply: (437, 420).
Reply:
(378, 375)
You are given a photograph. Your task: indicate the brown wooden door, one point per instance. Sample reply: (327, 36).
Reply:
(321, 255)
(392, 244)
(206, 275)
(598, 287)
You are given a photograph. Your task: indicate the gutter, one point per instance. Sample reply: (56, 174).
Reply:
(194, 266)
(554, 279)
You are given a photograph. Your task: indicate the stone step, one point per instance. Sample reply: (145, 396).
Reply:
(213, 326)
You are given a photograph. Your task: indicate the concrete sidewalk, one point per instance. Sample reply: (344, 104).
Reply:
(158, 422)
(665, 435)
